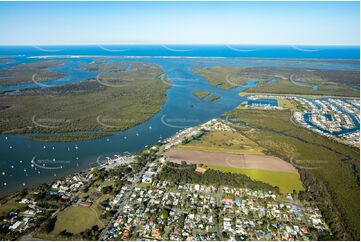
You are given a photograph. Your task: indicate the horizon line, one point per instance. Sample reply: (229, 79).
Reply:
(176, 44)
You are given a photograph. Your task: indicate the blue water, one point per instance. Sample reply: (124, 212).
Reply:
(264, 101)
(328, 117)
(343, 131)
(181, 109)
(326, 52)
(72, 69)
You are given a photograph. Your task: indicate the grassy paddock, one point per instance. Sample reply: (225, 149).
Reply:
(215, 149)
(286, 181)
(224, 141)
(77, 219)
(9, 206)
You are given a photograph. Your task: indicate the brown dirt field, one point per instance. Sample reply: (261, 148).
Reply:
(243, 161)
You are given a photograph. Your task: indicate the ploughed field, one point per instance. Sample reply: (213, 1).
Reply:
(230, 151)
(233, 160)
(268, 169)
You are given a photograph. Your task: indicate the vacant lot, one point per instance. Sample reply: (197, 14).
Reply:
(286, 181)
(233, 160)
(224, 141)
(77, 219)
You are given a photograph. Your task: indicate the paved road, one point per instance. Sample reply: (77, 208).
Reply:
(219, 196)
(124, 200)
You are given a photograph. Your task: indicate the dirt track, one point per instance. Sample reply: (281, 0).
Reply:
(259, 162)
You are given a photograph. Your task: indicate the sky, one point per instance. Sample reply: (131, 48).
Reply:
(255, 23)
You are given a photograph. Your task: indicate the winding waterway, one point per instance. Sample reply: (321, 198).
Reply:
(181, 110)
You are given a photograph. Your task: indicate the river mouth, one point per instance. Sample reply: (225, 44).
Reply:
(25, 162)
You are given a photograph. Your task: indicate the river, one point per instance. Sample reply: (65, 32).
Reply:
(24, 162)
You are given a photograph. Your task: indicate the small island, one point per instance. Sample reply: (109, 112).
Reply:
(213, 97)
(201, 95)
(68, 137)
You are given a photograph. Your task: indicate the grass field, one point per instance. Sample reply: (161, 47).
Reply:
(328, 168)
(288, 104)
(52, 237)
(76, 219)
(10, 205)
(287, 182)
(224, 141)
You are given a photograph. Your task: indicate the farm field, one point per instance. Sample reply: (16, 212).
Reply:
(224, 141)
(287, 182)
(230, 151)
(258, 162)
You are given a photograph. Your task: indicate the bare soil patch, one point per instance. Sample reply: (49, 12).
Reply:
(242, 161)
